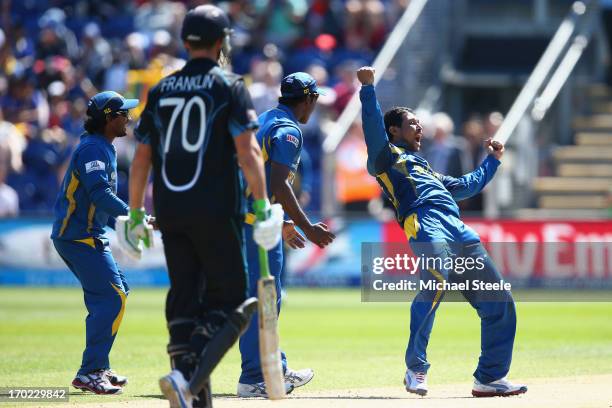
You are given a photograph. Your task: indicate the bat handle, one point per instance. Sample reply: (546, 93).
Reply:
(264, 268)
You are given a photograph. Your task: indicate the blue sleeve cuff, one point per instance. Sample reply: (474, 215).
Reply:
(491, 161)
(144, 139)
(237, 129)
(366, 92)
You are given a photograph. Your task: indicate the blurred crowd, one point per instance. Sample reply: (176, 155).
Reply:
(56, 54)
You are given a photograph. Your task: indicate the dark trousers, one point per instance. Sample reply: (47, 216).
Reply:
(206, 265)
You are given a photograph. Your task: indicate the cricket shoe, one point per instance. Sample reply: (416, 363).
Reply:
(298, 378)
(416, 383)
(96, 382)
(176, 390)
(499, 388)
(258, 390)
(116, 379)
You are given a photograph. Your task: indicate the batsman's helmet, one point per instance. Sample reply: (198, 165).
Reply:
(205, 23)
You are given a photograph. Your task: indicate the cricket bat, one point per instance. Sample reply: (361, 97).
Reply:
(269, 350)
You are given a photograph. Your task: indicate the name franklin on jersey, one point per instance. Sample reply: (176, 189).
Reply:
(187, 83)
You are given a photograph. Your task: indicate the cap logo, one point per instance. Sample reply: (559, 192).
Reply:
(108, 110)
(192, 37)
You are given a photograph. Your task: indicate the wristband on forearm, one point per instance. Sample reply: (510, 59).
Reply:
(261, 208)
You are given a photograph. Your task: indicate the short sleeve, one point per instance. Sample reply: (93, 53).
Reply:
(242, 115)
(145, 127)
(286, 146)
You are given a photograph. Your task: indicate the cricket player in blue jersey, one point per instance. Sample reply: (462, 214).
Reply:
(426, 209)
(87, 203)
(281, 142)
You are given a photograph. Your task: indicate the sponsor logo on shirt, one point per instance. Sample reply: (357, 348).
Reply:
(294, 140)
(95, 165)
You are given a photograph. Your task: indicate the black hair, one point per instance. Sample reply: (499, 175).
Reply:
(95, 124)
(292, 102)
(203, 44)
(394, 117)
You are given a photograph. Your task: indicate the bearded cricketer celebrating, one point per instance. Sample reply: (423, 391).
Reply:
(426, 209)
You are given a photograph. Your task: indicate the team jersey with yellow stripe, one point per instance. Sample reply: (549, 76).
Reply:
(87, 201)
(406, 178)
(280, 139)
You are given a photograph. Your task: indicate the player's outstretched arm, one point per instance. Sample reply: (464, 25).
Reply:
(377, 142)
(317, 233)
(472, 183)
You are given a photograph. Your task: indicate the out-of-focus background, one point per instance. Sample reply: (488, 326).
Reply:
(533, 72)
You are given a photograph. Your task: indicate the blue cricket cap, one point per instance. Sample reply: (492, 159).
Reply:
(109, 102)
(299, 84)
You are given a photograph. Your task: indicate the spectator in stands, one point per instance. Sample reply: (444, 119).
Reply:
(24, 103)
(46, 74)
(474, 134)
(24, 47)
(13, 142)
(324, 17)
(159, 15)
(135, 46)
(9, 200)
(55, 38)
(58, 105)
(72, 122)
(447, 153)
(347, 86)
(43, 159)
(492, 123)
(7, 59)
(365, 23)
(95, 54)
(265, 89)
(281, 20)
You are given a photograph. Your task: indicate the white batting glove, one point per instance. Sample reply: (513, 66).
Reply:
(134, 233)
(268, 228)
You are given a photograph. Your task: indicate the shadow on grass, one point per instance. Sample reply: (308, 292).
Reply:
(156, 396)
(345, 397)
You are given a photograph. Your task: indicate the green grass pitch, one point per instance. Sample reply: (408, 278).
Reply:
(349, 344)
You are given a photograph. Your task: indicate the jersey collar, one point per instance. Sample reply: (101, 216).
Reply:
(202, 61)
(99, 137)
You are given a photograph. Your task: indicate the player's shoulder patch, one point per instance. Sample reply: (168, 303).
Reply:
(95, 165)
(293, 139)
